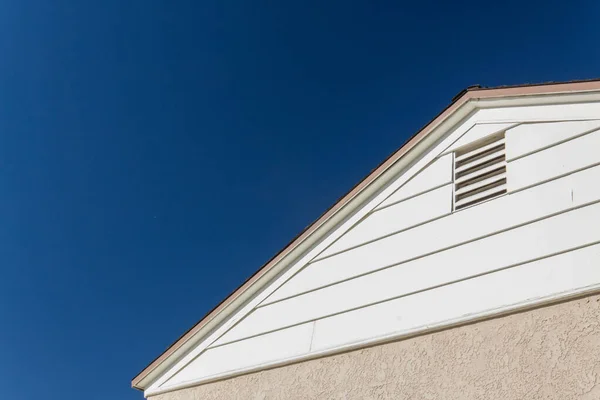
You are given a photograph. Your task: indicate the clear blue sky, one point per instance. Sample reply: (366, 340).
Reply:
(153, 155)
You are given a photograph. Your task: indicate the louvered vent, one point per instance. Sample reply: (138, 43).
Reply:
(479, 172)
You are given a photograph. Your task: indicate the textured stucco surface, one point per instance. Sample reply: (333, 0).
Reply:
(547, 353)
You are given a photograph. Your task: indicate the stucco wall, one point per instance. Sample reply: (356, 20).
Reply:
(547, 353)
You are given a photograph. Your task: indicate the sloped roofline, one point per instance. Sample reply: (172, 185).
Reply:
(471, 93)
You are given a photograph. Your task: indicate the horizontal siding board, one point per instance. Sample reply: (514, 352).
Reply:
(259, 350)
(554, 161)
(537, 240)
(436, 174)
(400, 216)
(541, 113)
(462, 226)
(544, 278)
(478, 132)
(528, 138)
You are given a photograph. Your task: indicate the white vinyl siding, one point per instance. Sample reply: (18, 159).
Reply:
(549, 278)
(283, 344)
(477, 133)
(528, 138)
(438, 173)
(406, 264)
(537, 240)
(397, 217)
(474, 223)
(500, 291)
(555, 161)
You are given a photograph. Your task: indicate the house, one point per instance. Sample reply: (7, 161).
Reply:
(466, 266)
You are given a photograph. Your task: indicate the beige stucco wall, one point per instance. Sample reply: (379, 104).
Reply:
(547, 353)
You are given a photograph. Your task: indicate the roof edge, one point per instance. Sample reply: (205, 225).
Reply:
(470, 93)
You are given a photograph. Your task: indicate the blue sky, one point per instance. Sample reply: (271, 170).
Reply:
(153, 155)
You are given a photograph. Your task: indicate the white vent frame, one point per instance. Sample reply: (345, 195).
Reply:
(479, 171)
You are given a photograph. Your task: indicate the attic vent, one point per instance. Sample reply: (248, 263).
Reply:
(479, 171)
